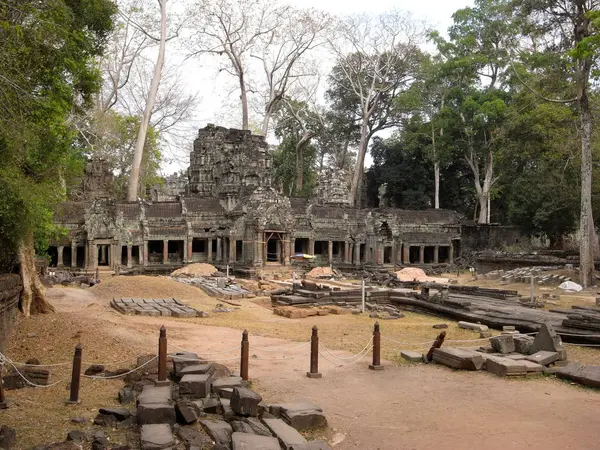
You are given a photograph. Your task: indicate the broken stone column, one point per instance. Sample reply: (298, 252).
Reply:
(436, 254)
(406, 255)
(129, 251)
(73, 254)
(209, 250)
(330, 251)
(59, 259)
(145, 253)
(219, 249)
(165, 251)
(190, 249)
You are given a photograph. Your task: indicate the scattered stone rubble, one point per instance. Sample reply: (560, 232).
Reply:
(524, 274)
(155, 307)
(219, 287)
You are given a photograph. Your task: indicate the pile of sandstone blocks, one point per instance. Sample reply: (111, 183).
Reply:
(206, 408)
(509, 354)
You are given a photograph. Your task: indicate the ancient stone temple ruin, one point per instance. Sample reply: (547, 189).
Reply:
(229, 212)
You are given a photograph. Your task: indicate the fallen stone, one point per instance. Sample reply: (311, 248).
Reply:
(219, 430)
(504, 367)
(106, 420)
(584, 375)
(127, 423)
(75, 436)
(8, 437)
(195, 386)
(287, 435)
(182, 360)
(226, 382)
(211, 405)
(156, 413)
(472, 326)
(193, 437)
(226, 409)
(257, 426)
(523, 344)
(517, 357)
(532, 367)
(126, 396)
(119, 413)
(157, 437)
(485, 334)
(154, 394)
(543, 357)
(411, 356)
(244, 402)
(312, 445)
(458, 358)
(79, 420)
(94, 369)
(185, 413)
(245, 441)
(225, 393)
(241, 427)
(503, 344)
(547, 339)
(198, 369)
(440, 326)
(100, 439)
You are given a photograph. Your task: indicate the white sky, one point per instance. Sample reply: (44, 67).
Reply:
(214, 90)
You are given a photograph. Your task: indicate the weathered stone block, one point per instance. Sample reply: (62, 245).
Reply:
(155, 394)
(195, 386)
(523, 344)
(197, 369)
(503, 344)
(154, 413)
(157, 437)
(245, 441)
(257, 426)
(244, 402)
(505, 367)
(543, 357)
(185, 413)
(312, 445)
(119, 413)
(219, 430)
(472, 326)
(547, 339)
(287, 435)
(411, 356)
(126, 396)
(458, 358)
(226, 382)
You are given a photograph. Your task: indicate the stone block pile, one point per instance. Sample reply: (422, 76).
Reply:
(155, 307)
(524, 274)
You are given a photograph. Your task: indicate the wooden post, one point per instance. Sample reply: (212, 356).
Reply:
(376, 349)
(162, 354)
(245, 355)
(76, 375)
(3, 404)
(437, 344)
(314, 355)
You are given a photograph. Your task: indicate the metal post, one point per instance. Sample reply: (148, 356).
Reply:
(162, 355)
(363, 295)
(437, 344)
(245, 354)
(314, 354)
(76, 375)
(376, 349)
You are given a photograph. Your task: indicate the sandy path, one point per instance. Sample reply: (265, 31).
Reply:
(416, 407)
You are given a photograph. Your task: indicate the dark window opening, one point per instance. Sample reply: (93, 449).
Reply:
(198, 245)
(123, 255)
(239, 251)
(67, 256)
(321, 248)
(301, 245)
(80, 256)
(273, 250)
(53, 254)
(135, 255)
(175, 251)
(362, 252)
(428, 255)
(155, 251)
(414, 255)
(444, 254)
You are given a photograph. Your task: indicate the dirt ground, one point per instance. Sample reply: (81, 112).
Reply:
(402, 407)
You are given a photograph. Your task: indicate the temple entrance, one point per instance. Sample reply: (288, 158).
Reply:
(103, 255)
(274, 247)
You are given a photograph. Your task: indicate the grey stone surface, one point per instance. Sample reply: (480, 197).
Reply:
(155, 394)
(458, 358)
(547, 339)
(186, 413)
(257, 426)
(584, 375)
(193, 437)
(212, 405)
(411, 356)
(504, 367)
(287, 435)
(157, 437)
(244, 402)
(226, 382)
(523, 344)
(241, 427)
(219, 430)
(532, 367)
(197, 369)
(472, 326)
(75, 436)
(225, 392)
(155, 413)
(312, 445)
(126, 396)
(245, 441)
(503, 344)
(543, 357)
(301, 415)
(195, 386)
(119, 413)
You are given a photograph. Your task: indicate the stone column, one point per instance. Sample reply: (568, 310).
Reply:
(258, 253)
(422, 254)
(93, 257)
(357, 253)
(59, 258)
(330, 251)
(406, 254)
(219, 249)
(232, 250)
(292, 247)
(379, 252)
(436, 254)
(451, 254)
(190, 249)
(209, 250)
(311, 247)
(144, 255)
(346, 252)
(165, 251)
(129, 258)
(287, 252)
(73, 254)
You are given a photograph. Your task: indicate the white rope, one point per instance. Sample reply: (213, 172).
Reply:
(344, 357)
(229, 350)
(4, 358)
(98, 377)
(262, 349)
(116, 363)
(408, 343)
(282, 358)
(344, 364)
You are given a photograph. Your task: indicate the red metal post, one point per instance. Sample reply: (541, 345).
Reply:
(314, 355)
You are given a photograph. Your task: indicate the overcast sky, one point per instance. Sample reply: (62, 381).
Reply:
(214, 90)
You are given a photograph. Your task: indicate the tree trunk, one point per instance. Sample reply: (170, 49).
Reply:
(436, 178)
(360, 162)
(244, 100)
(586, 253)
(299, 166)
(141, 138)
(33, 296)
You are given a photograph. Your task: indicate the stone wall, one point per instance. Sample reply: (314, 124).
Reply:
(482, 237)
(10, 290)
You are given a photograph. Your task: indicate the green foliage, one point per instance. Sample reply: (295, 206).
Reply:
(47, 73)
(284, 164)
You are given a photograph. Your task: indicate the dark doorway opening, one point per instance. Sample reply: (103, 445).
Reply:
(414, 254)
(80, 256)
(104, 255)
(135, 255)
(175, 251)
(239, 251)
(387, 255)
(155, 252)
(53, 254)
(67, 256)
(123, 255)
(443, 254)
(301, 246)
(428, 255)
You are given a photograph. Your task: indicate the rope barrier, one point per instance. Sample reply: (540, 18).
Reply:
(262, 349)
(359, 357)
(179, 358)
(4, 358)
(407, 343)
(98, 377)
(344, 357)
(229, 350)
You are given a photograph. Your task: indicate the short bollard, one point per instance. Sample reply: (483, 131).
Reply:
(376, 349)
(245, 355)
(314, 355)
(76, 375)
(437, 344)
(162, 355)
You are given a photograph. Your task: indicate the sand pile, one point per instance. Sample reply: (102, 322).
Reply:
(416, 274)
(195, 271)
(143, 286)
(320, 272)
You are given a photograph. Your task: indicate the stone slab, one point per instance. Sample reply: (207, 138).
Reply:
(547, 339)
(195, 386)
(244, 402)
(543, 357)
(157, 437)
(219, 430)
(226, 382)
(287, 435)
(523, 344)
(472, 326)
(257, 426)
(245, 441)
(504, 367)
(532, 367)
(458, 358)
(197, 369)
(155, 413)
(411, 356)
(503, 344)
(584, 375)
(312, 445)
(155, 394)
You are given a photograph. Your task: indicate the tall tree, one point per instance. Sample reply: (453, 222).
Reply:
(565, 36)
(376, 59)
(47, 71)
